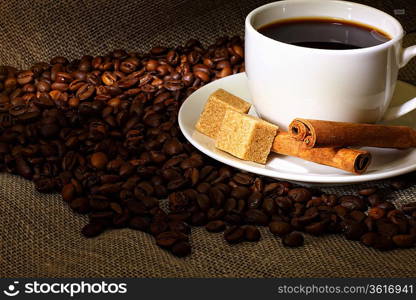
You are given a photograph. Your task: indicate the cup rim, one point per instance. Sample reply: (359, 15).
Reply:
(382, 46)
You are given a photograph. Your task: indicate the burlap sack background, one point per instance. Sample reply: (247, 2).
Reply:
(40, 236)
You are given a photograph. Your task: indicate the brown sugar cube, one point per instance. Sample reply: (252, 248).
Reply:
(245, 136)
(210, 120)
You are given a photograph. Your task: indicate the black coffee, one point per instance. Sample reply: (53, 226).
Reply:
(324, 33)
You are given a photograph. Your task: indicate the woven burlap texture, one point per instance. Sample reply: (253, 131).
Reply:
(40, 235)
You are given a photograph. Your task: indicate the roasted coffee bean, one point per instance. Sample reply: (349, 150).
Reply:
(340, 210)
(179, 226)
(251, 233)
(92, 229)
(240, 192)
(367, 191)
(243, 178)
(316, 228)
(387, 206)
(80, 205)
(311, 211)
(181, 249)
(216, 213)
(98, 202)
(168, 238)
(233, 218)
(396, 216)
(282, 188)
(271, 187)
(206, 171)
(85, 91)
(223, 187)
(216, 196)
(215, 226)
(68, 192)
(256, 216)
(325, 211)
(387, 228)
(375, 198)
(254, 200)
(103, 216)
(120, 220)
(158, 227)
(370, 223)
(376, 213)
(181, 216)
(116, 207)
(108, 188)
(203, 202)
(140, 223)
(223, 174)
(330, 200)
(234, 234)
(173, 147)
(190, 194)
(369, 239)
(170, 174)
(230, 204)
(212, 177)
(300, 194)
(203, 187)
(178, 202)
(258, 185)
(354, 230)
(99, 160)
(193, 175)
(191, 163)
(285, 203)
(293, 239)
(49, 130)
(298, 211)
(399, 218)
(307, 218)
(399, 183)
(150, 202)
(357, 215)
(177, 184)
(352, 202)
(23, 168)
(269, 206)
(383, 243)
(334, 225)
(198, 218)
(404, 240)
(314, 202)
(136, 207)
(280, 228)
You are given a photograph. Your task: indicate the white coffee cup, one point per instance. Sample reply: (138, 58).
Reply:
(288, 81)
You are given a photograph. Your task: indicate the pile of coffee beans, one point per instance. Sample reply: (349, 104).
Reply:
(103, 132)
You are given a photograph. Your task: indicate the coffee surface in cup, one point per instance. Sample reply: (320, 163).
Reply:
(324, 33)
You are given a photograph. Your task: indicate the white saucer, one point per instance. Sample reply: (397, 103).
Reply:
(386, 162)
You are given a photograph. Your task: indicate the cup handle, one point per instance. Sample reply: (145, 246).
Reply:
(400, 110)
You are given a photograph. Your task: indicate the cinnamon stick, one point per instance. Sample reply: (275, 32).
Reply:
(350, 160)
(318, 133)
